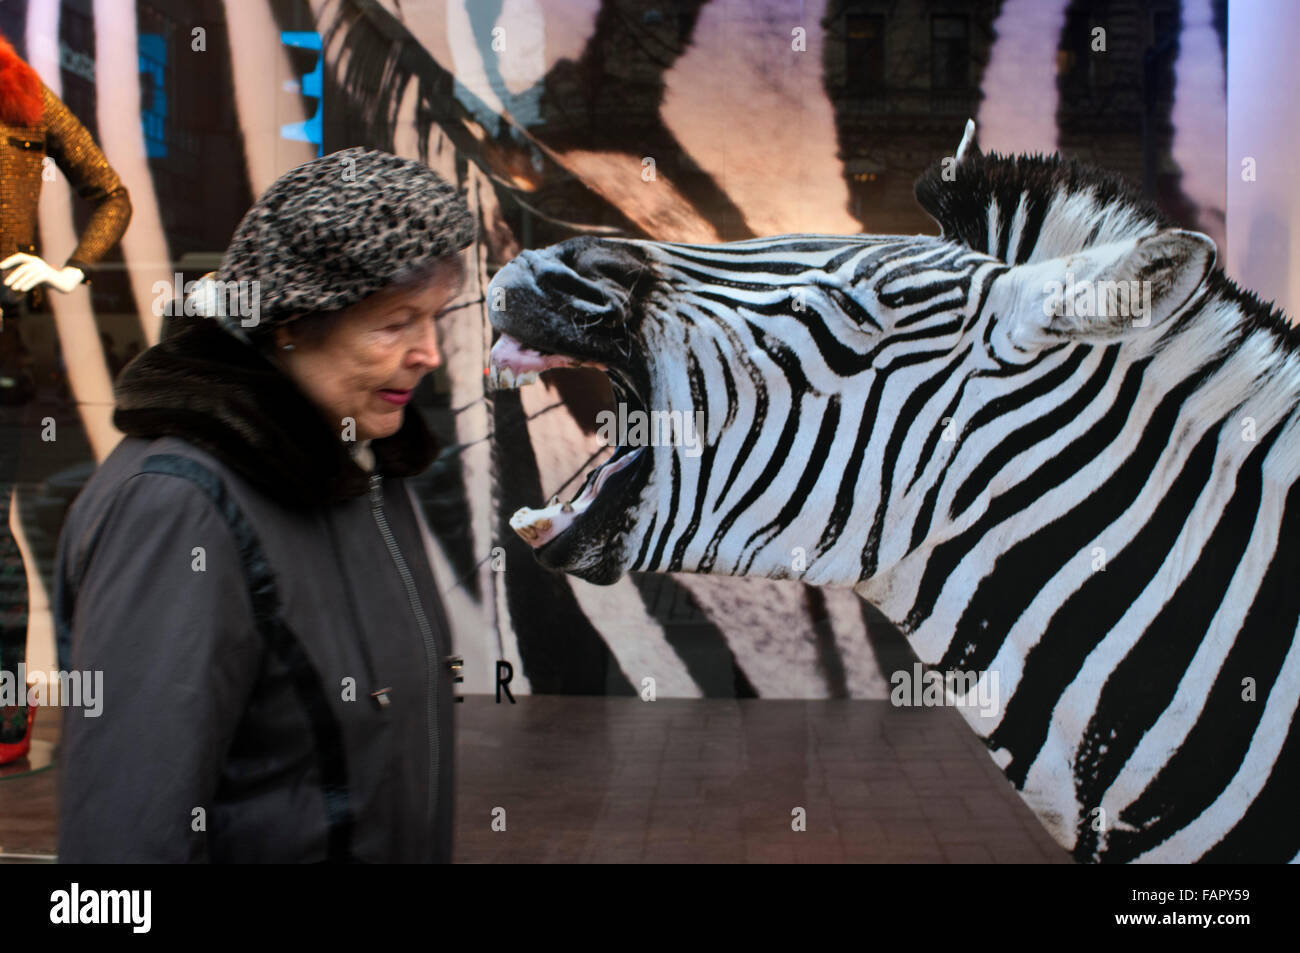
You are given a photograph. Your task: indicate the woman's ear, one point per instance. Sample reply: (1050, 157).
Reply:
(284, 335)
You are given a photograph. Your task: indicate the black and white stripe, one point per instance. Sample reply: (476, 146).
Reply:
(896, 428)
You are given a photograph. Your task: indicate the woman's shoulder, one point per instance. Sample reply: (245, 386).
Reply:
(175, 473)
(134, 456)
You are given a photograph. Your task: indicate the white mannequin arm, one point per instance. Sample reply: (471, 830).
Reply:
(33, 270)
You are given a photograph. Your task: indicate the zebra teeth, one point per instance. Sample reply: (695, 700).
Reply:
(539, 527)
(512, 364)
(505, 378)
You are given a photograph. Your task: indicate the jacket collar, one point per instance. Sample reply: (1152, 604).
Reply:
(207, 387)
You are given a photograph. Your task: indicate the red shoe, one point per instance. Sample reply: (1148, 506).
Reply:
(19, 749)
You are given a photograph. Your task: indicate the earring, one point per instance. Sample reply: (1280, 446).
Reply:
(288, 347)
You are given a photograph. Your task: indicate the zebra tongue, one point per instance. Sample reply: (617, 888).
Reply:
(512, 364)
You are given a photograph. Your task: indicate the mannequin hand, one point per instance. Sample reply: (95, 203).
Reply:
(32, 270)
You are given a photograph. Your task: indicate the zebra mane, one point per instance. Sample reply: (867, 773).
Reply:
(1029, 208)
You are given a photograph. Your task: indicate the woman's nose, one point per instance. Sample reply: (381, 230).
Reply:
(426, 344)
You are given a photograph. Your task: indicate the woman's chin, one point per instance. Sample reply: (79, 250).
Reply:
(379, 425)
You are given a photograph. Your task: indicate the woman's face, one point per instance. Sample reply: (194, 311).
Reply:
(367, 364)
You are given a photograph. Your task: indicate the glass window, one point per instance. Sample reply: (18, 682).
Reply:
(864, 53)
(949, 52)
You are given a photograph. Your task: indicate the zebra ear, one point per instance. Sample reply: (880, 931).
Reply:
(969, 147)
(1124, 288)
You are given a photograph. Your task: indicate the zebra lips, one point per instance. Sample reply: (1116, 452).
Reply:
(539, 527)
(512, 364)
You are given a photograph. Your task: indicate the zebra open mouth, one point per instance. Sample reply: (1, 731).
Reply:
(512, 365)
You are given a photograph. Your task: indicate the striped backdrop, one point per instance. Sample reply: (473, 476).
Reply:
(745, 140)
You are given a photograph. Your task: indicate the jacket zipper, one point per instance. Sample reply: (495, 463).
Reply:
(430, 647)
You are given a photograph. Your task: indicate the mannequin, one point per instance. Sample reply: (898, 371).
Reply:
(35, 126)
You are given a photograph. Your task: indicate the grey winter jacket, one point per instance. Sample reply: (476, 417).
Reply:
(273, 646)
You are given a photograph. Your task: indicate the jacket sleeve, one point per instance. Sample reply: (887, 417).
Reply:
(179, 654)
(74, 150)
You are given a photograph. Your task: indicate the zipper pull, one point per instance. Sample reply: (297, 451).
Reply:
(376, 493)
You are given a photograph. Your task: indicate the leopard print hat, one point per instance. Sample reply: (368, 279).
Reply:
(329, 233)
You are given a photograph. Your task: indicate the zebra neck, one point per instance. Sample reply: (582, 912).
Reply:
(1120, 586)
(1101, 519)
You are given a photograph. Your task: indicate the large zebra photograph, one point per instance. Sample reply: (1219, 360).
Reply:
(883, 411)
(1105, 538)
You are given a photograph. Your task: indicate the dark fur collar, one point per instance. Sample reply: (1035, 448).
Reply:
(207, 387)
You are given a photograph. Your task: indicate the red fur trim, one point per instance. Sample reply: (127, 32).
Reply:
(20, 88)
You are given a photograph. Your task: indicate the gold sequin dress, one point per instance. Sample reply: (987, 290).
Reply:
(60, 136)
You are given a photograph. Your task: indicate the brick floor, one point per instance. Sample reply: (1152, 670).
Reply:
(716, 780)
(613, 780)
(27, 800)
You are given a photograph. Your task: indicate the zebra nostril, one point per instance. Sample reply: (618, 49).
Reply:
(568, 285)
(615, 263)
(605, 260)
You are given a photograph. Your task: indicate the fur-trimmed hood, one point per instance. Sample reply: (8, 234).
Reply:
(205, 386)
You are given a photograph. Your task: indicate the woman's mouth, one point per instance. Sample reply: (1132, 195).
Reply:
(398, 397)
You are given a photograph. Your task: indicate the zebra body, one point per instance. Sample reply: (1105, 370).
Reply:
(1092, 511)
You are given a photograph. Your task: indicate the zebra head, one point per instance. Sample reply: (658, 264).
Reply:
(804, 393)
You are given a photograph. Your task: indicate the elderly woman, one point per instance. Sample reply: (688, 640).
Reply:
(246, 568)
